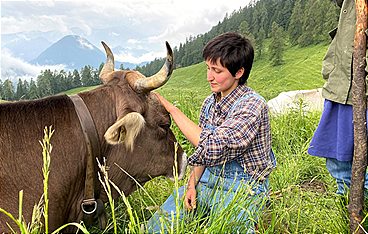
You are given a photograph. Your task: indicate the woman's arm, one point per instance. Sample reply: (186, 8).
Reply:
(190, 130)
(191, 194)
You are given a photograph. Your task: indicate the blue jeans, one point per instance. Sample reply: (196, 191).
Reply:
(217, 188)
(341, 171)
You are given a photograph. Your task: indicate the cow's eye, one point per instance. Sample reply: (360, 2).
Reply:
(165, 126)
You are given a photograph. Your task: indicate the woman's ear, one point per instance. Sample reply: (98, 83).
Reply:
(239, 73)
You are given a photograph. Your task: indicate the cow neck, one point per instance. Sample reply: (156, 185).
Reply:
(89, 204)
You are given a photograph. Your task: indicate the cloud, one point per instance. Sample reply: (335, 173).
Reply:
(129, 57)
(147, 18)
(13, 68)
(84, 43)
(136, 25)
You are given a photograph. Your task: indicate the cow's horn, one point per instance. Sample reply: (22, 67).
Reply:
(160, 78)
(108, 68)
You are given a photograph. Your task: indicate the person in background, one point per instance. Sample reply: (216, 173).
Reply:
(232, 140)
(334, 136)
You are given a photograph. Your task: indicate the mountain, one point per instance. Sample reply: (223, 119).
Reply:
(74, 52)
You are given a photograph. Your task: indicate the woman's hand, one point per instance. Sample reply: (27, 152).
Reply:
(190, 129)
(190, 198)
(168, 106)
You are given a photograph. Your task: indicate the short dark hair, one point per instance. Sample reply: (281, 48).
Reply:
(234, 51)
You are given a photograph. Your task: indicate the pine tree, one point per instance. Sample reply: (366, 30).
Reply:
(61, 78)
(295, 29)
(33, 90)
(76, 79)
(69, 81)
(86, 76)
(44, 84)
(8, 90)
(261, 36)
(244, 30)
(260, 17)
(26, 89)
(20, 92)
(96, 78)
(276, 47)
(310, 22)
(1, 89)
(56, 80)
(320, 9)
(330, 20)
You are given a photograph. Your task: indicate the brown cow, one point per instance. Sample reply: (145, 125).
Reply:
(132, 130)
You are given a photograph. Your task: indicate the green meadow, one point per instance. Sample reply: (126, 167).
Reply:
(302, 198)
(301, 70)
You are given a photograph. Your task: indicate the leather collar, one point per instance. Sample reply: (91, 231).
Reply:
(89, 204)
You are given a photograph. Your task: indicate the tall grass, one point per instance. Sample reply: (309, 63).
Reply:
(222, 218)
(302, 198)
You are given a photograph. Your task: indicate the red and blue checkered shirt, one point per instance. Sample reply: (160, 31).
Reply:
(235, 128)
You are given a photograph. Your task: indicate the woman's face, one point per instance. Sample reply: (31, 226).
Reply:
(220, 78)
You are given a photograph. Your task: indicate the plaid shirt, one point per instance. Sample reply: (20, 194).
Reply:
(242, 134)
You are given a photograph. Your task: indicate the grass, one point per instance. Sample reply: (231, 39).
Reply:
(79, 89)
(301, 70)
(303, 196)
(302, 199)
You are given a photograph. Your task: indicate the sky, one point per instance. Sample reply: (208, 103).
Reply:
(139, 26)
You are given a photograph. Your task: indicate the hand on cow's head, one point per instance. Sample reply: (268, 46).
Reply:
(165, 103)
(125, 130)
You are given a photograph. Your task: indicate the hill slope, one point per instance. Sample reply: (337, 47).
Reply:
(301, 70)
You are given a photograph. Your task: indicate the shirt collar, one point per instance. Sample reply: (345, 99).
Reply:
(225, 103)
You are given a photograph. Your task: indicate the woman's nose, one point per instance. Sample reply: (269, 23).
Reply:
(209, 76)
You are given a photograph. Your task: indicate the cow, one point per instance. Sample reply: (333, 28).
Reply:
(308, 100)
(120, 121)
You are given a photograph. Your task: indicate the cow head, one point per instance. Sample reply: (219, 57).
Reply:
(140, 139)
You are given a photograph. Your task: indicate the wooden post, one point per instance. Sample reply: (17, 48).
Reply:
(356, 200)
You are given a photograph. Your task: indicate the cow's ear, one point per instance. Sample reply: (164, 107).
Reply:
(125, 130)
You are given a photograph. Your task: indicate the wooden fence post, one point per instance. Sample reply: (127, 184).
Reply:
(356, 200)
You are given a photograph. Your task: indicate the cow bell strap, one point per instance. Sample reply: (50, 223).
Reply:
(89, 205)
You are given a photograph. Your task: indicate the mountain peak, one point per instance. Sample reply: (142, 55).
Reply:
(73, 51)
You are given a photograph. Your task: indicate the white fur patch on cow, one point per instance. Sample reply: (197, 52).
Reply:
(125, 130)
(308, 100)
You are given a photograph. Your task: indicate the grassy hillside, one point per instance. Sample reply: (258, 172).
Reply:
(78, 90)
(301, 70)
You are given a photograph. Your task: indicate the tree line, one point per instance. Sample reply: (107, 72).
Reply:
(49, 83)
(282, 22)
